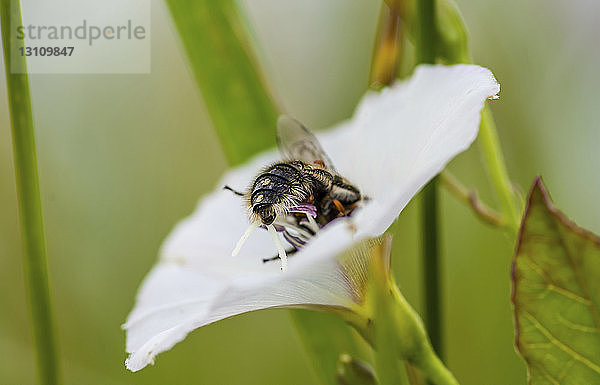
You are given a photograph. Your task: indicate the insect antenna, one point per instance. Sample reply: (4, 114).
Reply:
(233, 191)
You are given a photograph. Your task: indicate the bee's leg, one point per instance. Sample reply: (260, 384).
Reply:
(276, 257)
(312, 224)
(233, 191)
(340, 207)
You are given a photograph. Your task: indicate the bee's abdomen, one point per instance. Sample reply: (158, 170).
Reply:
(344, 191)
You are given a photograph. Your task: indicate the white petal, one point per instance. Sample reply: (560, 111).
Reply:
(401, 138)
(396, 142)
(181, 295)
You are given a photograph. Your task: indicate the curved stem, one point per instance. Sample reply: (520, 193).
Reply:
(28, 193)
(488, 137)
(469, 197)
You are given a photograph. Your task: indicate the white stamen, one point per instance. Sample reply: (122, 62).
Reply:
(313, 224)
(244, 237)
(279, 245)
(291, 226)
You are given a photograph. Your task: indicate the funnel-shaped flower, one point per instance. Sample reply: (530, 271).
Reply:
(397, 140)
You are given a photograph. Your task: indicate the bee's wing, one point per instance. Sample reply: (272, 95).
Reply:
(298, 143)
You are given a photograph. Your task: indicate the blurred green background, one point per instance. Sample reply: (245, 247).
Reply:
(123, 157)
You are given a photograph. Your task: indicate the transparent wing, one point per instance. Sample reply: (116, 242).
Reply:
(296, 142)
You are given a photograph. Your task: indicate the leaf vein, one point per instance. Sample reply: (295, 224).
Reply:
(561, 345)
(575, 326)
(578, 277)
(568, 294)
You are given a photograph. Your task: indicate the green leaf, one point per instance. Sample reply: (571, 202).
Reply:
(556, 295)
(221, 58)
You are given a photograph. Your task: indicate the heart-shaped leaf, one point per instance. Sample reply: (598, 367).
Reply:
(556, 295)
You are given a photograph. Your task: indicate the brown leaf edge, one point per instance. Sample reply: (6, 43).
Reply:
(539, 188)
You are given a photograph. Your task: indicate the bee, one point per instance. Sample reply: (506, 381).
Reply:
(298, 195)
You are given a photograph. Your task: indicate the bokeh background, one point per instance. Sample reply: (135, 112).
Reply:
(122, 158)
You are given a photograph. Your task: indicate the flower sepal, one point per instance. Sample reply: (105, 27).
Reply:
(394, 329)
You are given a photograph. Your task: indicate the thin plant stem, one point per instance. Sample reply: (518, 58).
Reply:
(426, 31)
(431, 264)
(488, 138)
(469, 197)
(28, 193)
(426, 49)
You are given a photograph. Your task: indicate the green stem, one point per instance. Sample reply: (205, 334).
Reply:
(469, 197)
(431, 264)
(488, 138)
(426, 49)
(28, 193)
(426, 30)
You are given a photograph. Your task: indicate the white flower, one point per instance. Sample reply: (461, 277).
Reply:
(398, 140)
